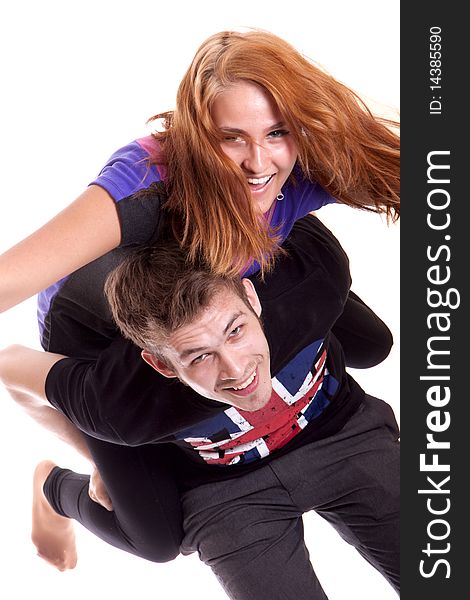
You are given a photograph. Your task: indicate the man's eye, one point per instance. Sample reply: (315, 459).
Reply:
(236, 331)
(199, 359)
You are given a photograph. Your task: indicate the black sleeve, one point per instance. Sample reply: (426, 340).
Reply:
(140, 215)
(79, 322)
(306, 292)
(365, 338)
(119, 398)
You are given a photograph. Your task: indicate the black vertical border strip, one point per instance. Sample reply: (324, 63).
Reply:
(434, 546)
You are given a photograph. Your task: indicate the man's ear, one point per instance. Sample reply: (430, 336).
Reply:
(252, 296)
(158, 364)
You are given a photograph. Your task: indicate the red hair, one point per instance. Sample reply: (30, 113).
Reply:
(341, 145)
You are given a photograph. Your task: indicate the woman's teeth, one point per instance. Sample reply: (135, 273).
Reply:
(262, 180)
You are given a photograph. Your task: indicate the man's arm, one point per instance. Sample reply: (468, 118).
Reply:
(365, 338)
(119, 398)
(23, 372)
(305, 293)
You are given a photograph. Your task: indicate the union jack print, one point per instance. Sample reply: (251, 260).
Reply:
(300, 393)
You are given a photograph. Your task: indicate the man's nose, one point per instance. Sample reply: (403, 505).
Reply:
(232, 366)
(257, 158)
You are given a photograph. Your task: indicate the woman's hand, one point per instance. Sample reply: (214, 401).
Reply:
(97, 491)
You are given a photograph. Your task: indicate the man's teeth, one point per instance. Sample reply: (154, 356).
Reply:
(247, 382)
(255, 181)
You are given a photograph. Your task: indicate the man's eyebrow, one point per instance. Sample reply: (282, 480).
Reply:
(232, 320)
(201, 349)
(187, 353)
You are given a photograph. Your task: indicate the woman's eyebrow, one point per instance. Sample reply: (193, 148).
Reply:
(227, 129)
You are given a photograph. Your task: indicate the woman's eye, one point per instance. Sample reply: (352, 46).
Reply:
(233, 138)
(278, 133)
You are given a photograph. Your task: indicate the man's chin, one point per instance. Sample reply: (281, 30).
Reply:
(253, 404)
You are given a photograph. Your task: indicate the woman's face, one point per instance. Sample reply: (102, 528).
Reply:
(256, 138)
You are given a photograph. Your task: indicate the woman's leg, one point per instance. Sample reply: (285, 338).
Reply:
(146, 518)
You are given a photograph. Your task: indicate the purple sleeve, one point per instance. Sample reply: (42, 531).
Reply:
(128, 170)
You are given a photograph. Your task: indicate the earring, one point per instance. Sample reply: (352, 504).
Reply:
(280, 197)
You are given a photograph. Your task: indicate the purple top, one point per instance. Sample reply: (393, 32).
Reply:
(129, 170)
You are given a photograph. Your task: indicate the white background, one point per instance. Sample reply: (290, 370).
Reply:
(78, 81)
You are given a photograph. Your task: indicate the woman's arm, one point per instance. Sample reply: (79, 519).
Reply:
(85, 230)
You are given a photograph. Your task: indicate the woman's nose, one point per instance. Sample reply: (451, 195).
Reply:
(257, 159)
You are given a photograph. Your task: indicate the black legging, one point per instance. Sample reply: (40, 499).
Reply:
(146, 519)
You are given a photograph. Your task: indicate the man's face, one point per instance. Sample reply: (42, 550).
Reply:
(223, 354)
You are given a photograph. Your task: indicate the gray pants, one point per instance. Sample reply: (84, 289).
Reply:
(249, 529)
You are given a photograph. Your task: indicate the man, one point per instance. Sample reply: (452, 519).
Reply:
(268, 449)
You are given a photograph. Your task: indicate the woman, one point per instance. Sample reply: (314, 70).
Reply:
(259, 138)
(339, 145)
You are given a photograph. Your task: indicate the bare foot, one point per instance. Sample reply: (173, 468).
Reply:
(52, 534)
